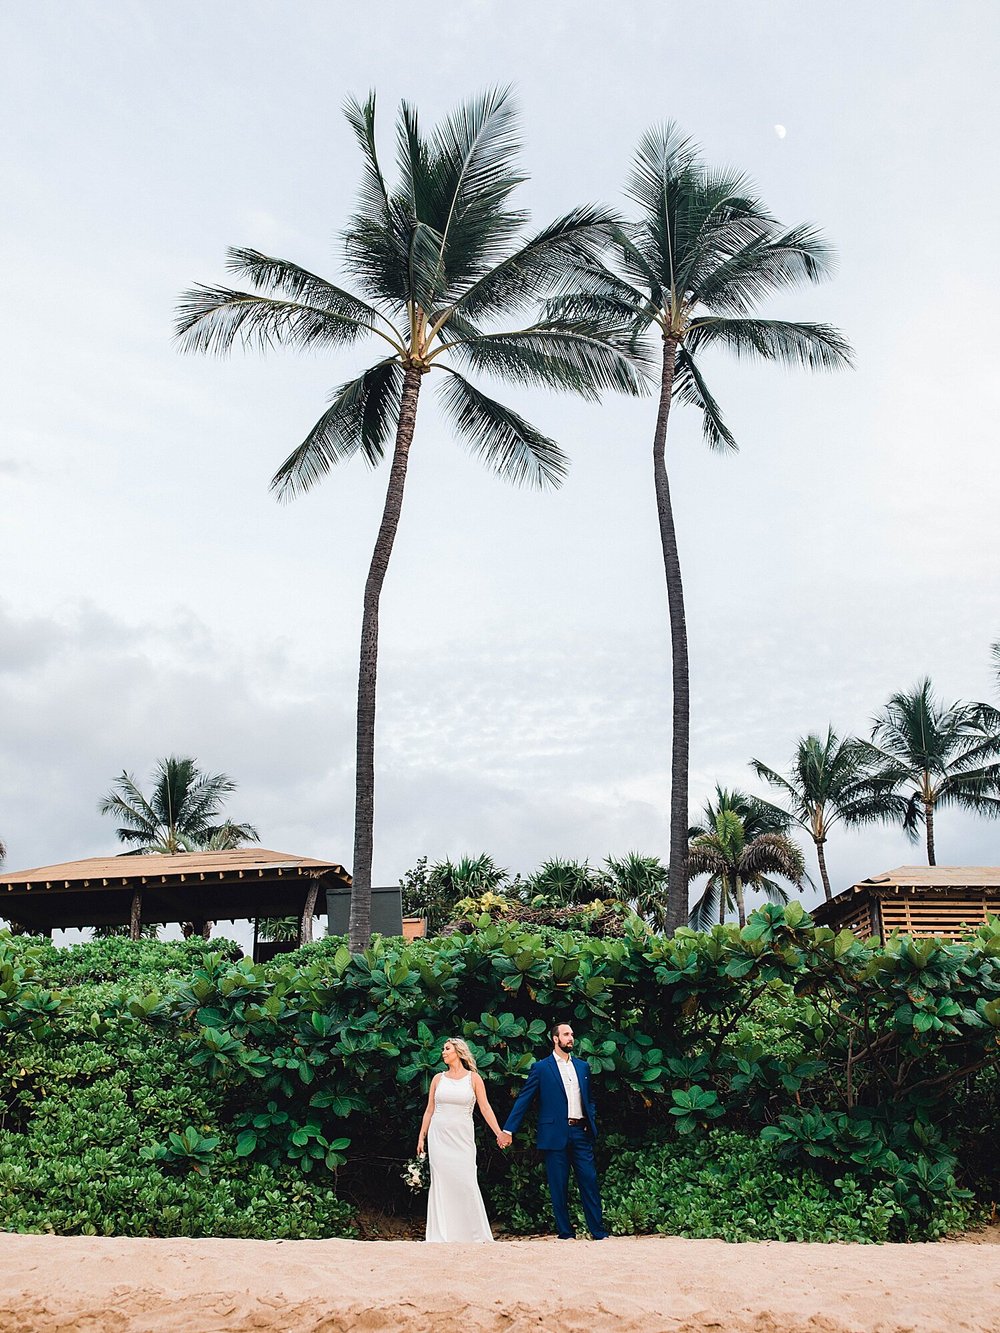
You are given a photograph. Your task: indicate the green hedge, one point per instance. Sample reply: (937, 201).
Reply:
(197, 1094)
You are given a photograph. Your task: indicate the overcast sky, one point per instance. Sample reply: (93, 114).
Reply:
(155, 599)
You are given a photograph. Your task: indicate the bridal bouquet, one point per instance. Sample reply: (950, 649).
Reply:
(416, 1174)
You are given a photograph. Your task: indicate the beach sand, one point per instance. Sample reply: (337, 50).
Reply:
(100, 1285)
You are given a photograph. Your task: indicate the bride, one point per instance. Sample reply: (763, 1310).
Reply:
(455, 1208)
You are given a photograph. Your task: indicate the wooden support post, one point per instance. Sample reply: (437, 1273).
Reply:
(135, 916)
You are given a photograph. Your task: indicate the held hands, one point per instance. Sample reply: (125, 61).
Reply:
(420, 1147)
(504, 1140)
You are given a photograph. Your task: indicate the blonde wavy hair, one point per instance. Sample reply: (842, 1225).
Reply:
(464, 1054)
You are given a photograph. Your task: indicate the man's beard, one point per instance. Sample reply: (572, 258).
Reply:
(563, 1047)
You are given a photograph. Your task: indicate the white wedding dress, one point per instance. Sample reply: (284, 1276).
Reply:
(455, 1209)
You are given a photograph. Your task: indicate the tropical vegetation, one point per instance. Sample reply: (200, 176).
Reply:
(440, 892)
(176, 1089)
(834, 780)
(736, 859)
(183, 812)
(692, 269)
(939, 756)
(445, 285)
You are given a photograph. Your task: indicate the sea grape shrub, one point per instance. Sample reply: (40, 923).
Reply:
(756, 1030)
(129, 962)
(730, 1186)
(93, 1091)
(830, 1056)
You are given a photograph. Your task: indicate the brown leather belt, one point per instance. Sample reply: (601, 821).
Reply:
(581, 1121)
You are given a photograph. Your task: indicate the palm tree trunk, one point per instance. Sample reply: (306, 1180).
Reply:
(820, 856)
(135, 917)
(929, 825)
(741, 911)
(364, 806)
(308, 911)
(680, 741)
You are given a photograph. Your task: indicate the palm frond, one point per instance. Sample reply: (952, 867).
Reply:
(126, 800)
(473, 156)
(212, 319)
(360, 417)
(706, 910)
(815, 346)
(766, 263)
(377, 237)
(977, 801)
(508, 444)
(561, 255)
(711, 214)
(772, 854)
(783, 785)
(632, 315)
(303, 287)
(561, 354)
(424, 279)
(374, 194)
(664, 152)
(772, 890)
(689, 387)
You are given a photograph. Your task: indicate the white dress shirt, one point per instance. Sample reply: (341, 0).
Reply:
(571, 1084)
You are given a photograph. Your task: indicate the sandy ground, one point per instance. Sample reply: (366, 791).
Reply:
(89, 1285)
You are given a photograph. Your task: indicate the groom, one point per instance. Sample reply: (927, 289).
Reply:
(566, 1129)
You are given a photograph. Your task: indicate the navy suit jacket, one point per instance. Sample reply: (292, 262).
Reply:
(545, 1082)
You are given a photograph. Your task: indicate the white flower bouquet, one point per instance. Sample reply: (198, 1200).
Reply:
(416, 1173)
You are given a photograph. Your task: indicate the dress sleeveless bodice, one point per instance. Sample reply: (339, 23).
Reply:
(454, 1095)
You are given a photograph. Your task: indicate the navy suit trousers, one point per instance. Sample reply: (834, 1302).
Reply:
(578, 1153)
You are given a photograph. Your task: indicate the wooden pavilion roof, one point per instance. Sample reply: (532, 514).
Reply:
(241, 884)
(941, 901)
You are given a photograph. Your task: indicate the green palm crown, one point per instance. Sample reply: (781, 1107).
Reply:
(438, 265)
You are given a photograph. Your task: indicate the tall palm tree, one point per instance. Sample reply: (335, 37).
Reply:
(734, 863)
(440, 276)
(995, 654)
(692, 270)
(831, 781)
(939, 755)
(181, 814)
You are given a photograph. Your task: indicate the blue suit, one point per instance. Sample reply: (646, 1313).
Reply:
(562, 1143)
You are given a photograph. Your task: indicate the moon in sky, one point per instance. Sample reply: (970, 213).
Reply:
(780, 131)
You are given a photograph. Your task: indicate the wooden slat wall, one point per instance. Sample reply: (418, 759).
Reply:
(948, 917)
(859, 919)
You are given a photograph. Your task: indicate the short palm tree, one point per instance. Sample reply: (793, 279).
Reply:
(757, 816)
(735, 863)
(938, 756)
(693, 269)
(831, 781)
(440, 277)
(181, 814)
